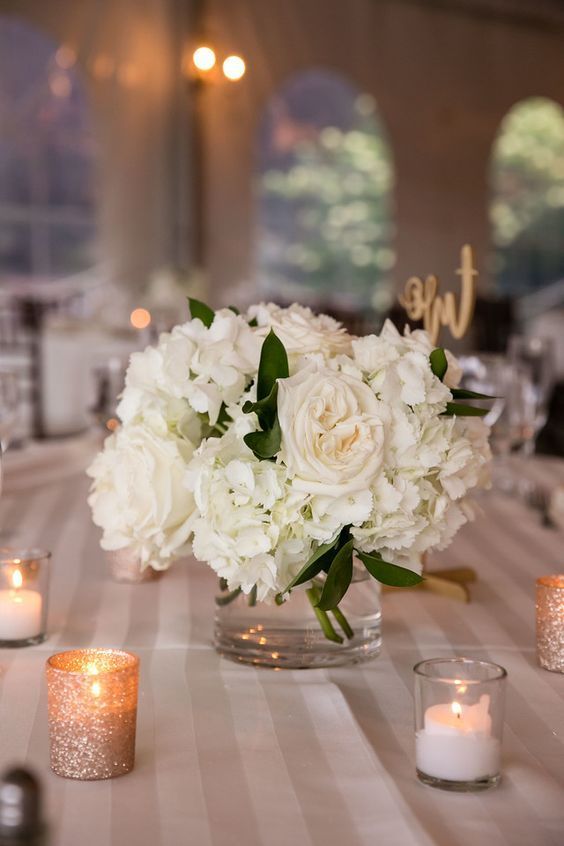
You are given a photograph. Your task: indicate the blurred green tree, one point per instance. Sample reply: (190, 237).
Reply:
(527, 208)
(326, 226)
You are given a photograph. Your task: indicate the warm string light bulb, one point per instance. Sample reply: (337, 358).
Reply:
(234, 68)
(204, 58)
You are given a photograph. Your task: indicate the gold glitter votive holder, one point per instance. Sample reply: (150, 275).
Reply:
(550, 622)
(92, 703)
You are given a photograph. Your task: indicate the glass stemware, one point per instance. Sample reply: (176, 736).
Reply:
(511, 416)
(537, 355)
(9, 407)
(486, 373)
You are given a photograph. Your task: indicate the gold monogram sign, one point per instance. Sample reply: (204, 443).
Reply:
(422, 301)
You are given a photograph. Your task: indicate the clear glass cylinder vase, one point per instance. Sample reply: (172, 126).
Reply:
(290, 635)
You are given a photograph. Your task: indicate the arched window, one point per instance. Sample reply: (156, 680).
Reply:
(527, 205)
(325, 179)
(47, 158)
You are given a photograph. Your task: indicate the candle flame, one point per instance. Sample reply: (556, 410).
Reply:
(17, 579)
(92, 669)
(96, 689)
(456, 709)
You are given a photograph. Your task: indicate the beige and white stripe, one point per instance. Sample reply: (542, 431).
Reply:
(231, 755)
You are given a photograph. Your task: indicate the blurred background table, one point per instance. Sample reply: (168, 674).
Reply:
(228, 754)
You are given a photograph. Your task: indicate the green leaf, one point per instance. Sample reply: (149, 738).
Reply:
(266, 409)
(388, 574)
(234, 309)
(462, 393)
(338, 578)
(202, 311)
(273, 365)
(253, 323)
(314, 564)
(223, 417)
(439, 363)
(459, 410)
(265, 444)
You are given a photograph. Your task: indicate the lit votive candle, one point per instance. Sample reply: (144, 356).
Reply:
(24, 581)
(92, 702)
(459, 721)
(550, 622)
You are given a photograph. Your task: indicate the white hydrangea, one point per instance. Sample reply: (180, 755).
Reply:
(364, 444)
(301, 330)
(138, 497)
(248, 528)
(192, 370)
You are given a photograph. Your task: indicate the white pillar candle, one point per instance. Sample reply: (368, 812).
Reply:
(456, 743)
(20, 611)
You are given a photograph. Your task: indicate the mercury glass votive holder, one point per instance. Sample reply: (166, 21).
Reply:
(24, 589)
(550, 622)
(92, 704)
(459, 711)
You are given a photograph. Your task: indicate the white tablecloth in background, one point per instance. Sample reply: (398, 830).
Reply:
(231, 755)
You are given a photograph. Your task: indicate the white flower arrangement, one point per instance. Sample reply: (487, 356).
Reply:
(280, 446)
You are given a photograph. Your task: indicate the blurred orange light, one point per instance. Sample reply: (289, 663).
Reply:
(102, 66)
(204, 58)
(112, 424)
(234, 68)
(140, 318)
(128, 75)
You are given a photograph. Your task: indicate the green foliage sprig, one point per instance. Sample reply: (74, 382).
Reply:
(439, 366)
(273, 365)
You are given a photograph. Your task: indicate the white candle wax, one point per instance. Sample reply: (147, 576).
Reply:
(456, 742)
(20, 614)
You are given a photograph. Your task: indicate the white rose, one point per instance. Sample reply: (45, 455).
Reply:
(332, 434)
(138, 497)
(301, 331)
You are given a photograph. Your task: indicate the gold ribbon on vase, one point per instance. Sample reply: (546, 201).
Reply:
(451, 582)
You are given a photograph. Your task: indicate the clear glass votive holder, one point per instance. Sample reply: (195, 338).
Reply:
(24, 592)
(459, 712)
(92, 705)
(550, 622)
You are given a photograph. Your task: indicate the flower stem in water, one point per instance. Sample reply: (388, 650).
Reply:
(313, 595)
(227, 598)
(343, 622)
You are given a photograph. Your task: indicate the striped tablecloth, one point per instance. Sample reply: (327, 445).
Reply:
(229, 755)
